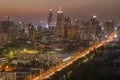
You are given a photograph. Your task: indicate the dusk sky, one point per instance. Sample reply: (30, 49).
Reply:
(36, 10)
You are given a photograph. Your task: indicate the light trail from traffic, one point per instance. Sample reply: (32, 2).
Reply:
(73, 58)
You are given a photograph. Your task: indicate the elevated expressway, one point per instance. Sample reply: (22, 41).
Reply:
(73, 58)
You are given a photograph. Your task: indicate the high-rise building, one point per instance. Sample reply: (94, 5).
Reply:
(109, 26)
(92, 27)
(6, 26)
(80, 30)
(22, 33)
(8, 31)
(71, 31)
(50, 18)
(68, 29)
(77, 28)
(51, 25)
(3, 38)
(66, 26)
(30, 31)
(60, 23)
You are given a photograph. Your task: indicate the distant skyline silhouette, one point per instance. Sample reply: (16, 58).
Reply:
(37, 10)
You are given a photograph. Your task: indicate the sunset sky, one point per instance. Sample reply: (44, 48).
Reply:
(36, 10)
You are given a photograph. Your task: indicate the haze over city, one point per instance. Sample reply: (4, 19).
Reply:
(37, 10)
(59, 40)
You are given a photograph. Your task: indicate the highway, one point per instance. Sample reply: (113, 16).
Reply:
(73, 58)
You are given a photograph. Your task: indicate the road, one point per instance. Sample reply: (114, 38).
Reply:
(73, 58)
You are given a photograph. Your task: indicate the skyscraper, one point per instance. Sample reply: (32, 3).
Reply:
(77, 28)
(92, 26)
(31, 31)
(109, 26)
(50, 18)
(6, 26)
(5, 31)
(68, 29)
(66, 25)
(60, 23)
(21, 27)
(80, 31)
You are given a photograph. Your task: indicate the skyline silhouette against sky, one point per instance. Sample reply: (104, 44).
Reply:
(36, 10)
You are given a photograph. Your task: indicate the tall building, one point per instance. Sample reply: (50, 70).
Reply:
(109, 26)
(66, 26)
(14, 32)
(71, 30)
(80, 30)
(77, 28)
(68, 29)
(92, 27)
(6, 30)
(30, 31)
(6, 26)
(22, 33)
(3, 38)
(50, 18)
(60, 23)
(51, 26)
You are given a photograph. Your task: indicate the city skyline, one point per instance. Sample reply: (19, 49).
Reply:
(59, 39)
(37, 10)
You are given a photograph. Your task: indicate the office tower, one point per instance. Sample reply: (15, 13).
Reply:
(50, 18)
(6, 31)
(30, 31)
(109, 26)
(94, 20)
(66, 25)
(76, 27)
(80, 29)
(92, 26)
(60, 23)
(6, 26)
(3, 38)
(51, 25)
(71, 31)
(68, 29)
(21, 30)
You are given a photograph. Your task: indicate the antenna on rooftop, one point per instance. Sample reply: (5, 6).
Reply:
(60, 8)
